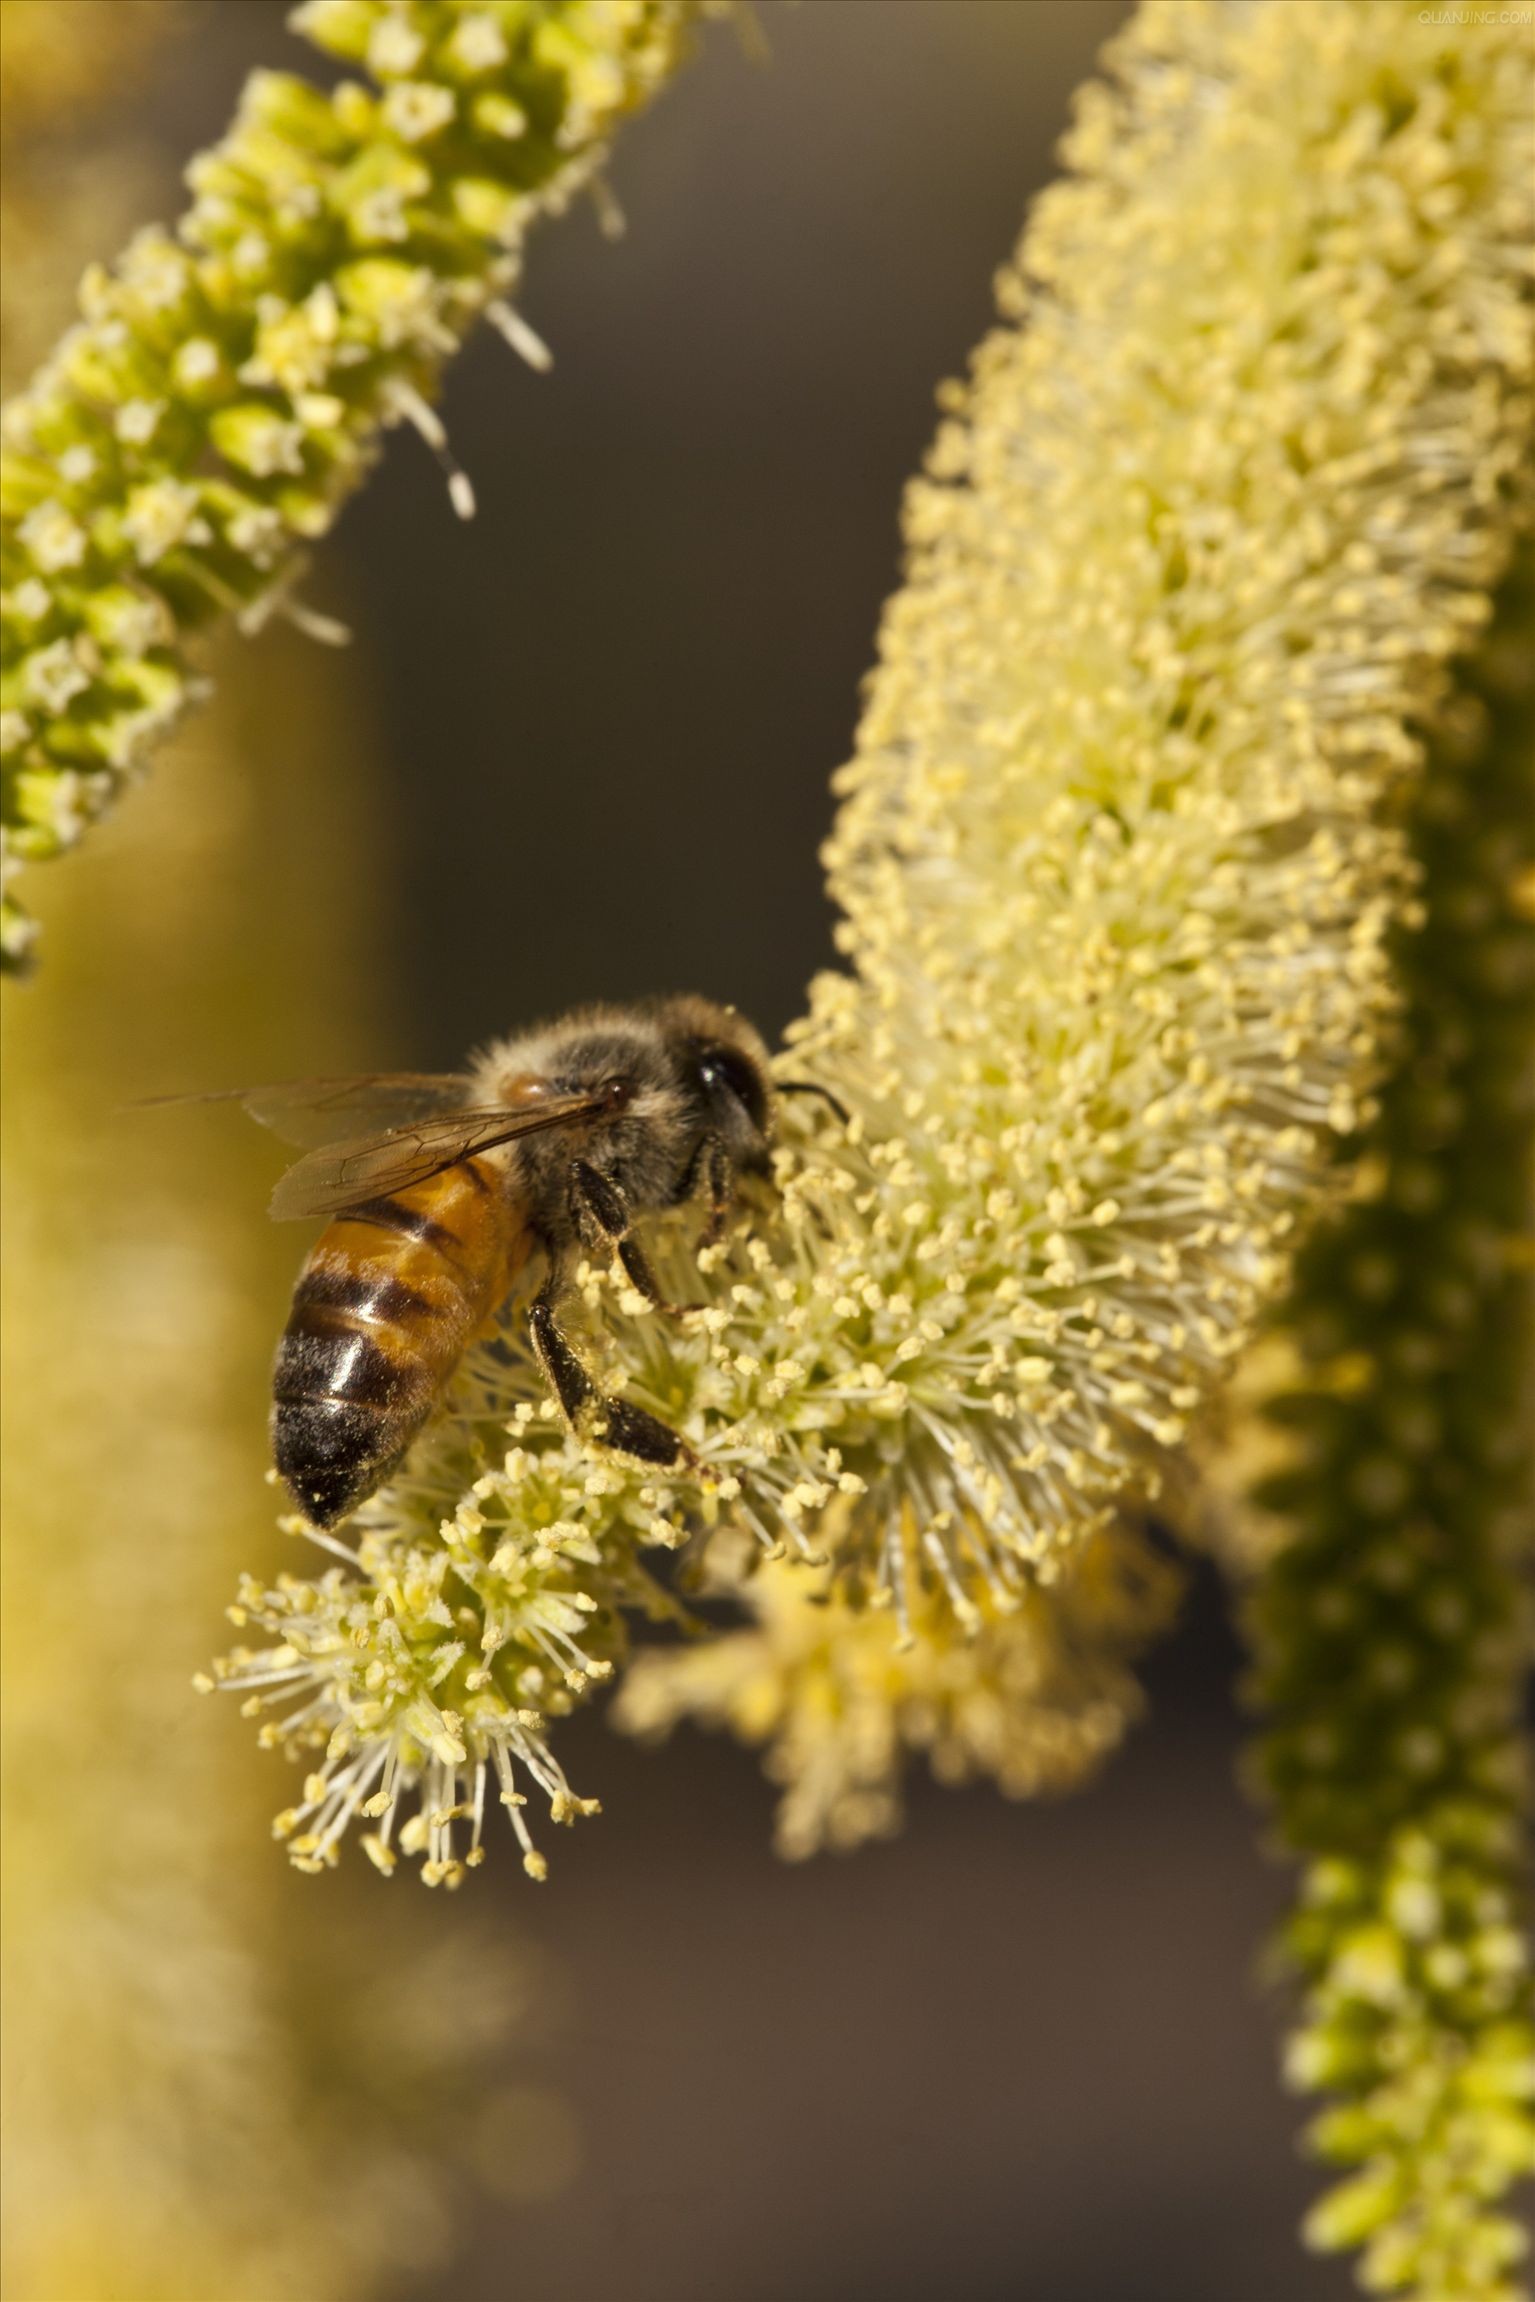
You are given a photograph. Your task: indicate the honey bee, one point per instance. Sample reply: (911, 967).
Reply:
(553, 1143)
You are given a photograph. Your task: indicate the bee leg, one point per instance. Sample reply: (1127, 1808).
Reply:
(617, 1424)
(601, 1207)
(712, 1172)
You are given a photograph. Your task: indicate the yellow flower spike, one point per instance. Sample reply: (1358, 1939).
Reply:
(1378, 1472)
(1118, 857)
(1035, 1695)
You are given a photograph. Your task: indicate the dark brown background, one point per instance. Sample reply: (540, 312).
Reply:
(1021, 2053)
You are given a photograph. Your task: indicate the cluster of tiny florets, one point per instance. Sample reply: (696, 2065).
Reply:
(1121, 846)
(842, 1695)
(1393, 1621)
(227, 386)
(432, 1662)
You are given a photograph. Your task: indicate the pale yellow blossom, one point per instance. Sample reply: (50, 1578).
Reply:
(1033, 1696)
(1117, 860)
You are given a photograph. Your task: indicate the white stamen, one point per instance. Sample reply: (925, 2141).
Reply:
(326, 629)
(525, 341)
(327, 1542)
(612, 223)
(429, 424)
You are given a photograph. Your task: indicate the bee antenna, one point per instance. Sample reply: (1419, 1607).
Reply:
(814, 1087)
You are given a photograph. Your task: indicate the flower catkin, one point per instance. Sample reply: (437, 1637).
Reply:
(1036, 1696)
(1393, 1629)
(227, 387)
(202, 2081)
(1117, 858)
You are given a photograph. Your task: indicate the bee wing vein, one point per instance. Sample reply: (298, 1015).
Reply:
(346, 1174)
(312, 1112)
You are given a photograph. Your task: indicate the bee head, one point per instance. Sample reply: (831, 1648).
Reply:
(725, 1064)
(733, 1083)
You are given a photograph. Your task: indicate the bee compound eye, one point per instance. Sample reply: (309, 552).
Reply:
(726, 1070)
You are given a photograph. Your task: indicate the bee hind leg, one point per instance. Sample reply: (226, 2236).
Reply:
(627, 1429)
(603, 1212)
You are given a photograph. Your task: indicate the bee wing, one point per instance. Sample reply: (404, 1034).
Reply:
(345, 1174)
(315, 1112)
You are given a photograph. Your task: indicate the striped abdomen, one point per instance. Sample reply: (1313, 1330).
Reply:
(385, 1304)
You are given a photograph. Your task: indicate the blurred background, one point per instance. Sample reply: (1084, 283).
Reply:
(579, 747)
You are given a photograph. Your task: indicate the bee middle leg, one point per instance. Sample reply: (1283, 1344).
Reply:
(602, 1211)
(616, 1423)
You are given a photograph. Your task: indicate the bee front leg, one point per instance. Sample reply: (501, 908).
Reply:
(712, 1174)
(602, 1211)
(629, 1430)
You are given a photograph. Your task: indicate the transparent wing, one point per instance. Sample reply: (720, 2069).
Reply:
(345, 1174)
(315, 1112)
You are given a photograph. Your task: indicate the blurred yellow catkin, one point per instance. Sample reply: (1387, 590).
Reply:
(1033, 1696)
(63, 62)
(207, 2099)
